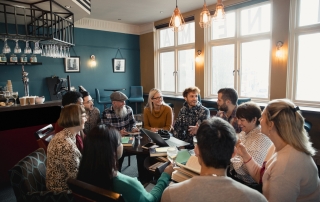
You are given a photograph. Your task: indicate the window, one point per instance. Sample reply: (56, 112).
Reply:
(175, 59)
(304, 66)
(239, 52)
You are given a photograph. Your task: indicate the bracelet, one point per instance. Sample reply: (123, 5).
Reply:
(248, 160)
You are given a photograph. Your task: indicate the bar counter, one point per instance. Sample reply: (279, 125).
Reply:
(29, 115)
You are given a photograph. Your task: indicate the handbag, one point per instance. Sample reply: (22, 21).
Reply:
(164, 134)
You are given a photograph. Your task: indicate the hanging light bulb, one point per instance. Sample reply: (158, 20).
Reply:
(219, 14)
(205, 17)
(176, 21)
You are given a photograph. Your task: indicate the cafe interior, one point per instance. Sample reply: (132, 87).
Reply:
(108, 45)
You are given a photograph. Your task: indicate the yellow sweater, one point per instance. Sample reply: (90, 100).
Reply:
(161, 119)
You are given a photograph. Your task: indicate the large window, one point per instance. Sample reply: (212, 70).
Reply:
(304, 68)
(175, 59)
(239, 52)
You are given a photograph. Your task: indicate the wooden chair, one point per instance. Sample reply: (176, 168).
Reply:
(44, 135)
(84, 192)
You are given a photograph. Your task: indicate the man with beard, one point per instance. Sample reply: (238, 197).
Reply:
(190, 116)
(93, 113)
(227, 105)
(119, 115)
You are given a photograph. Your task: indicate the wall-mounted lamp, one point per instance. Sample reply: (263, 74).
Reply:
(199, 53)
(279, 52)
(93, 62)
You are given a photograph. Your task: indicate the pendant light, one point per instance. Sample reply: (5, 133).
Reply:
(176, 22)
(205, 17)
(219, 14)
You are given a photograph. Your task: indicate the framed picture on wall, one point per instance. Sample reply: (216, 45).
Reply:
(119, 65)
(72, 64)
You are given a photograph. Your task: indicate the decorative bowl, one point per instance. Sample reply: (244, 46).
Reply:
(40, 100)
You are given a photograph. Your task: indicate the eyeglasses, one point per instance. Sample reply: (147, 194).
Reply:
(157, 98)
(87, 102)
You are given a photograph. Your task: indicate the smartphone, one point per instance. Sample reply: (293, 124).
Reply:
(148, 145)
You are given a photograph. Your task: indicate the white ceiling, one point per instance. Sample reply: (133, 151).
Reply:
(139, 12)
(134, 12)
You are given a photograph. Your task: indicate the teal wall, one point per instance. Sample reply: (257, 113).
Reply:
(102, 44)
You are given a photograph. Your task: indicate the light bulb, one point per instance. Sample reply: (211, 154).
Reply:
(205, 18)
(177, 21)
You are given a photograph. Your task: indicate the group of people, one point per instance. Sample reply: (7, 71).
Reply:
(243, 152)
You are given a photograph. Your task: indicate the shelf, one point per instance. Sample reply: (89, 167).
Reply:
(19, 63)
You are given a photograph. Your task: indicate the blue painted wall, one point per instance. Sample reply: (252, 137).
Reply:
(102, 44)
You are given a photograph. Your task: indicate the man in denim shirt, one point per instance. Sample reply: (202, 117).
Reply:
(190, 116)
(227, 105)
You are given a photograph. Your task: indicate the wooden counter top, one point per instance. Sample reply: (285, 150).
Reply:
(18, 107)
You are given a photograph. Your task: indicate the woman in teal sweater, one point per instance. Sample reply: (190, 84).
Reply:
(98, 166)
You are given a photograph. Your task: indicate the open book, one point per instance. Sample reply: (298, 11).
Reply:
(127, 141)
(185, 172)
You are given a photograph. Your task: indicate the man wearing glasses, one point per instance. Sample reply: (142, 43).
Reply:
(93, 113)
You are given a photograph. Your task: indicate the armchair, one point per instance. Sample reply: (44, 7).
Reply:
(28, 180)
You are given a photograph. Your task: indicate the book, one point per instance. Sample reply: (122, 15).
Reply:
(187, 171)
(158, 151)
(127, 141)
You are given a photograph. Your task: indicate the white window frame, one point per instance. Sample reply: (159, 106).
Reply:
(295, 32)
(175, 48)
(236, 40)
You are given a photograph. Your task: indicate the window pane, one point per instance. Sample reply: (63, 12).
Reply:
(255, 20)
(255, 58)
(224, 29)
(166, 71)
(186, 70)
(308, 69)
(309, 12)
(222, 60)
(187, 34)
(166, 38)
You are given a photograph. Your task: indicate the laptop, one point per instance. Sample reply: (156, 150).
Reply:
(156, 138)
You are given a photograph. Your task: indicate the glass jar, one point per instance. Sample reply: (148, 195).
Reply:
(13, 58)
(3, 57)
(33, 58)
(23, 58)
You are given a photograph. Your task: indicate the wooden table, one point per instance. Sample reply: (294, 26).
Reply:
(136, 148)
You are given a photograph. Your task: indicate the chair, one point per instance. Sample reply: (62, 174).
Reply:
(307, 125)
(44, 131)
(243, 100)
(83, 192)
(105, 100)
(28, 180)
(44, 135)
(136, 95)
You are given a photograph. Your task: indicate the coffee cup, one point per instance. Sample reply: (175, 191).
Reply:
(23, 101)
(32, 100)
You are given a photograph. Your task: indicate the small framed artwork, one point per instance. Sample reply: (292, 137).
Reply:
(119, 65)
(72, 64)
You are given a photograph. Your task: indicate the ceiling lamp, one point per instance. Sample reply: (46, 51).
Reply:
(205, 17)
(176, 22)
(219, 14)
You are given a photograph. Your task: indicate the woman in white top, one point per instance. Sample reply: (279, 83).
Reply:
(290, 174)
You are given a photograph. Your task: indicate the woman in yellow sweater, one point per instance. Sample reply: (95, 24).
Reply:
(157, 114)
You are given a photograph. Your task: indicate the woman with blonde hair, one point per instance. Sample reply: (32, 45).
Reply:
(157, 114)
(63, 156)
(289, 174)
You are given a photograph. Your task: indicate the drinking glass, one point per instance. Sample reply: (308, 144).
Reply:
(37, 49)
(15, 96)
(17, 49)
(139, 126)
(27, 49)
(6, 48)
(7, 95)
(172, 153)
